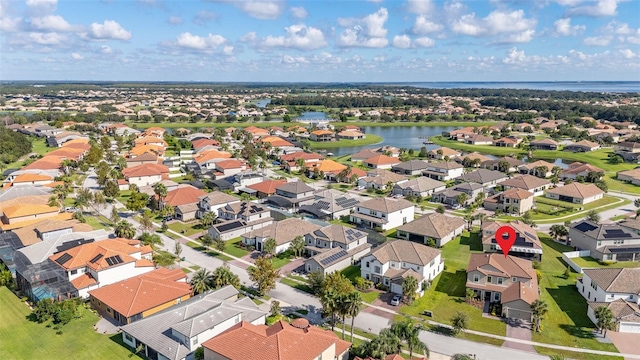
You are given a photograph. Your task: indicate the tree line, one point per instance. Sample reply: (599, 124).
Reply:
(13, 145)
(353, 101)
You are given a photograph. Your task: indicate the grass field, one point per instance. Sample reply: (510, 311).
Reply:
(39, 147)
(186, 229)
(369, 140)
(24, 339)
(233, 248)
(589, 262)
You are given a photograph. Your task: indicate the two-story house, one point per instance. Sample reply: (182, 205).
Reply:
(509, 280)
(616, 289)
(610, 242)
(283, 232)
(145, 174)
(444, 171)
(379, 179)
(213, 201)
(420, 186)
(383, 213)
(437, 227)
(485, 177)
(390, 263)
(530, 183)
(512, 201)
(451, 196)
(334, 247)
(228, 167)
(504, 164)
(329, 204)
(238, 218)
(526, 246)
(289, 195)
(177, 333)
(630, 151)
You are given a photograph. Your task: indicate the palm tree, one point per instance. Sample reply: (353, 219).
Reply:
(604, 318)
(461, 199)
(269, 246)
(329, 302)
(343, 175)
(459, 322)
(469, 218)
(386, 343)
(557, 231)
(541, 171)
(539, 308)
(161, 191)
(201, 281)
(408, 331)
(503, 165)
(409, 287)
(124, 229)
(223, 276)
(341, 309)
(593, 216)
(482, 217)
(206, 240)
(151, 239)
(146, 223)
(297, 245)
(353, 305)
(54, 202)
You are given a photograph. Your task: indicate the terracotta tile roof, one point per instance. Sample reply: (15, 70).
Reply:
(54, 184)
(509, 266)
(68, 153)
(31, 177)
(29, 234)
(578, 167)
(19, 210)
(526, 182)
(364, 154)
(322, 132)
(150, 169)
(445, 151)
(210, 155)
(183, 195)
(350, 133)
(148, 156)
(520, 291)
(635, 173)
(141, 149)
(200, 143)
(267, 186)
(21, 224)
(146, 140)
(382, 160)
(577, 190)
(229, 164)
(516, 193)
(46, 163)
(284, 231)
(622, 310)
(329, 166)
(144, 263)
(280, 341)
(526, 232)
(386, 205)
(95, 254)
(144, 292)
(83, 281)
(535, 164)
(545, 141)
(146, 249)
(275, 141)
(585, 143)
(406, 251)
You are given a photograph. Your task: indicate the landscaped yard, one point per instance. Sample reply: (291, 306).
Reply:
(589, 262)
(567, 322)
(186, 229)
(232, 247)
(446, 295)
(281, 259)
(97, 223)
(369, 140)
(24, 339)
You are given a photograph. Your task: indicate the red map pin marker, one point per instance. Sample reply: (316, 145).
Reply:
(505, 244)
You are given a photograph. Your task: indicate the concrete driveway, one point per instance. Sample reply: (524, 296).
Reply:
(627, 343)
(518, 329)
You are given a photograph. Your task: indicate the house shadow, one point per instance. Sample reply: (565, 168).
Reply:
(575, 306)
(473, 240)
(117, 338)
(452, 284)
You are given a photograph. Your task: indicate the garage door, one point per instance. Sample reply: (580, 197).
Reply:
(629, 328)
(518, 314)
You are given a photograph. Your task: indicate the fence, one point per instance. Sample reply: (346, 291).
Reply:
(567, 256)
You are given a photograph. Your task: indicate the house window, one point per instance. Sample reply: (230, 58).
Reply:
(194, 341)
(500, 280)
(611, 296)
(367, 264)
(377, 269)
(496, 296)
(489, 279)
(618, 242)
(73, 272)
(108, 309)
(367, 276)
(128, 337)
(514, 279)
(594, 285)
(476, 278)
(386, 281)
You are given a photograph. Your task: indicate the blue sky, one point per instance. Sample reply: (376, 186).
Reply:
(313, 40)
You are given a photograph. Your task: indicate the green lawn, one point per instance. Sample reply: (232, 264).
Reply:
(567, 322)
(296, 285)
(368, 140)
(97, 223)
(124, 196)
(233, 248)
(280, 260)
(589, 262)
(445, 297)
(39, 147)
(186, 229)
(23, 339)
(351, 272)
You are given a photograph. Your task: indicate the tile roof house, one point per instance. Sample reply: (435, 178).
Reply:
(145, 174)
(630, 151)
(479, 139)
(322, 135)
(30, 179)
(146, 158)
(441, 152)
(544, 144)
(280, 341)
(420, 186)
(530, 183)
(526, 246)
(18, 212)
(437, 227)
(450, 195)
(363, 154)
(508, 141)
(512, 201)
(606, 241)
(535, 168)
(328, 204)
(382, 212)
(49, 229)
(510, 280)
(215, 200)
(334, 247)
(495, 164)
(486, 178)
(267, 187)
(411, 167)
(395, 260)
(291, 194)
(576, 193)
(289, 161)
(283, 232)
(178, 331)
(473, 159)
(381, 161)
(444, 171)
(577, 169)
(582, 146)
(185, 200)
(141, 296)
(379, 179)
(228, 167)
(239, 218)
(619, 290)
(630, 176)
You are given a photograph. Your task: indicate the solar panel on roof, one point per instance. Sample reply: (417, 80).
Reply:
(529, 235)
(349, 231)
(322, 204)
(616, 233)
(624, 250)
(114, 260)
(63, 259)
(584, 227)
(333, 257)
(96, 258)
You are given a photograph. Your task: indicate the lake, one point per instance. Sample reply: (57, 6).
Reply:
(400, 137)
(312, 115)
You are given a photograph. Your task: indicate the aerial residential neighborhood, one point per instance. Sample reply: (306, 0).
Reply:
(301, 239)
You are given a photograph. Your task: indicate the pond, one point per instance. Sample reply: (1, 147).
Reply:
(312, 115)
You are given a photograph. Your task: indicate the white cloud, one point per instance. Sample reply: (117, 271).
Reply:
(204, 16)
(108, 30)
(227, 50)
(299, 37)
(563, 27)
(249, 37)
(368, 31)
(42, 6)
(601, 8)
(628, 54)
(497, 23)
(401, 41)
(419, 6)
(598, 40)
(203, 43)
(424, 26)
(288, 59)
(299, 12)
(9, 24)
(514, 56)
(76, 56)
(49, 39)
(52, 23)
(424, 42)
(260, 9)
(105, 49)
(175, 20)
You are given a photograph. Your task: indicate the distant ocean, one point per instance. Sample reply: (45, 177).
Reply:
(587, 86)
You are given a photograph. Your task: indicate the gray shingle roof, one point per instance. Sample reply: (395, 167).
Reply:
(407, 251)
(482, 176)
(386, 205)
(433, 225)
(295, 187)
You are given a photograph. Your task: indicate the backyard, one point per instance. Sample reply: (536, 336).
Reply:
(24, 339)
(589, 262)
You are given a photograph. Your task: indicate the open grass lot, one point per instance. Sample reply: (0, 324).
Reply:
(446, 295)
(97, 222)
(23, 339)
(368, 140)
(567, 322)
(186, 229)
(232, 247)
(589, 262)
(39, 147)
